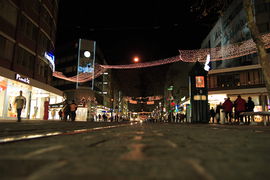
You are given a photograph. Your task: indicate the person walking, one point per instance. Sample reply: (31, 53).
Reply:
(66, 110)
(20, 103)
(227, 107)
(212, 115)
(73, 109)
(218, 110)
(60, 113)
(240, 106)
(250, 108)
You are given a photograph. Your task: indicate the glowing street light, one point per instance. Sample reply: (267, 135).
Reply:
(136, 59)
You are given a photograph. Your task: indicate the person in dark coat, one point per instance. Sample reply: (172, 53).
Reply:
(250, 108)
(240, 106)
(66, 111)
(228, 106)
(218, 110)
(212, 115)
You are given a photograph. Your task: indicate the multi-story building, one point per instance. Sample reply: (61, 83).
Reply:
(79, 57)
(239, 76)
(27, 36)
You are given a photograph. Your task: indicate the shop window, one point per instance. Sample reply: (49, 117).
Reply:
(6, 48)
(8, 12)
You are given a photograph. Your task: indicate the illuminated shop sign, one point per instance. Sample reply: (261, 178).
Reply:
(200, 82)
(86, 61)
(21, 78)
(51, 59)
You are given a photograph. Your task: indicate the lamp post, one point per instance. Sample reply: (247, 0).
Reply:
(111, 110)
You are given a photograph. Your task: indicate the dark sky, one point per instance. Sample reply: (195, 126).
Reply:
(149, 29)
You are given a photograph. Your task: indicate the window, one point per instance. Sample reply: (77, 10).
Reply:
(25, 59)
(8, 12)
(46, 18)
(28, 28)
(228, 80)
(44, 42)
(6, 48)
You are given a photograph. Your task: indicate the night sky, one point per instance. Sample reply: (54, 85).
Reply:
(149, 29)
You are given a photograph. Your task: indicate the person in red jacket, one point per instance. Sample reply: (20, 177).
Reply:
(227, 107)
(239, 106)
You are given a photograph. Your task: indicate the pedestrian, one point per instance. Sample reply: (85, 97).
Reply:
(212, 115)
(60, 113)
(66, 110)
(239, 106)
(73, 109)
(20, 103)
(99, 117)
(228, 106)
(218, 109)
(104, 117)
(250, 108)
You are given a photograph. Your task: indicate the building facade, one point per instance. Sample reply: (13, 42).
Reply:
(27, 37)
(94, 96)
(239, 76)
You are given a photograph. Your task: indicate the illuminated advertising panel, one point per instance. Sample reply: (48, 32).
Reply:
(200, 83)
(51, 59)
(86, 60)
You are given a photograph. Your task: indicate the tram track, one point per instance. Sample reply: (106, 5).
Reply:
(25, 137)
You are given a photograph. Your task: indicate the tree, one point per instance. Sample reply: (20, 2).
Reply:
(261, 51)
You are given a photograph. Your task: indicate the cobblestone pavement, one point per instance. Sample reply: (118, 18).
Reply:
(138, 151)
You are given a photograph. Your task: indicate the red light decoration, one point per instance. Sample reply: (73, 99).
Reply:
(216, 54)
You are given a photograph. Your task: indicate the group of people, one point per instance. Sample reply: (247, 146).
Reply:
(68, 111)
(240, 105)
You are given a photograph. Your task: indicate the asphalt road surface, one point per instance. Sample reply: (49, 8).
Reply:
(135, 151)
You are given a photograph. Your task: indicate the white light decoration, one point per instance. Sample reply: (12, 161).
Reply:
(215, 54)
(206, 64)
(87, 54)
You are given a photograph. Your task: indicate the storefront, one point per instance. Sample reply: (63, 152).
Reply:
(259, 97)
(38, 97)
(100, 111)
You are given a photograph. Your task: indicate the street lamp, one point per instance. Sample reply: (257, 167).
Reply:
(136, 59)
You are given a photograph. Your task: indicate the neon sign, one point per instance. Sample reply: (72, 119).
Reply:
(22, 79)
(51, 59)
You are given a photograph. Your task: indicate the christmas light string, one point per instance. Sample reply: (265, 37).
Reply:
(225, 52)
(218, 53)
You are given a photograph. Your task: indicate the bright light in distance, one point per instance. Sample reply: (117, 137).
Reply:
(136, 59)
(87, 54)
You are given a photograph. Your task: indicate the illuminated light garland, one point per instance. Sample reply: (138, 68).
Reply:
(144, 65)
(150, 98)
(219, 53)
(225, 52)
(83, 77)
